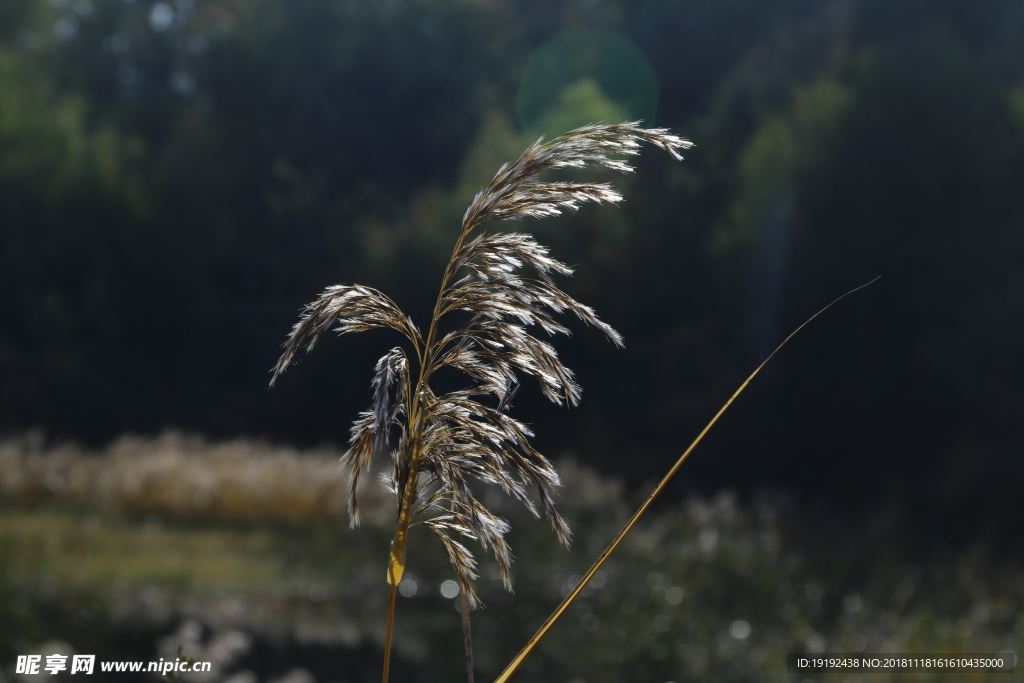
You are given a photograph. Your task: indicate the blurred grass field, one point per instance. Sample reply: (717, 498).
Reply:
(241, 552)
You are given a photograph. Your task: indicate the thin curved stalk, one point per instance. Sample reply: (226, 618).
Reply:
(546, 626)
(387, 638)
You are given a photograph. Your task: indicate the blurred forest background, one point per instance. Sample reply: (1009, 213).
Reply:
(177, 178)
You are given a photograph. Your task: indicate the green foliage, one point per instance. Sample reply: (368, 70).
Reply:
(49, 148)
(780, 155)
(168, 194)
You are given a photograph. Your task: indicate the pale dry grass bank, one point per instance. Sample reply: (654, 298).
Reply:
(184, 477)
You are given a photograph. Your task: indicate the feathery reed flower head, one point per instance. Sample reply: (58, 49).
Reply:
(440, 444)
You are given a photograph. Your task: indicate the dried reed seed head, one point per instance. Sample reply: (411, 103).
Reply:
(467, 440)
(354, 308)
(459, 557)
(460, 439)
(392, 369)
(506, 252)
(510, 195)
(369, 432)
(358, 458)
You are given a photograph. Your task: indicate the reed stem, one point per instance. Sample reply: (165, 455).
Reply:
(467, 636)
(387, 637)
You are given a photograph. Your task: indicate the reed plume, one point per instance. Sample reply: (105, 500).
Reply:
(503, 284)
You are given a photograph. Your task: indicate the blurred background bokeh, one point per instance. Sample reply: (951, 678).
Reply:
(178, 177)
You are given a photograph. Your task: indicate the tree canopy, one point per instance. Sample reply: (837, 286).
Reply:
(178, 178)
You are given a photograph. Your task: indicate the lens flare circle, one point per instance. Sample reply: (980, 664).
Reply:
(585, 75)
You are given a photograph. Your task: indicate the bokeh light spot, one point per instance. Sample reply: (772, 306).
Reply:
(161, 16)
(408, 588)
(739, 629)
(449, 589)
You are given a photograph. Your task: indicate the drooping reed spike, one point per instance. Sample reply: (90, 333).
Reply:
(447, 442)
